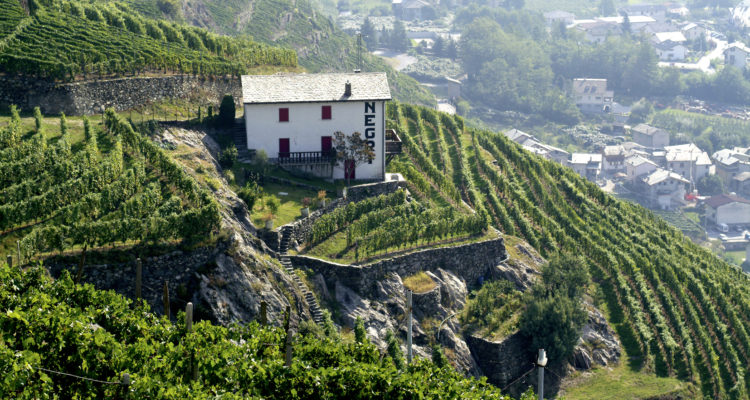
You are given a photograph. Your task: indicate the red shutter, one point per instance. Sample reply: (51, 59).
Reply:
(283, 115)
(326, 110)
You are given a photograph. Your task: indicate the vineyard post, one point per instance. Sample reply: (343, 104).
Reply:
(165, 299)
(408, 326)
(18, 247)
(541, 361)
(138, 277)
(10, 261)
(263, 313)
(288, 348)
(125, 382)
(189, 329)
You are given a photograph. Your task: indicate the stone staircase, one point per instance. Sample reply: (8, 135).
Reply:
(312, 302)
(239, 136)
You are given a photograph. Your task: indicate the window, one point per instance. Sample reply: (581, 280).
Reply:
(283, 115)
(326, 112)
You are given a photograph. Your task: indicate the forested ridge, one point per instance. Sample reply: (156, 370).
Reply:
(678, 309)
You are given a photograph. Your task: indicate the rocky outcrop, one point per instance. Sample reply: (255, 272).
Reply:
(94, 96)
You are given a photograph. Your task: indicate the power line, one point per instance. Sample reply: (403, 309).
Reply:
(77, 377)
(519, 378)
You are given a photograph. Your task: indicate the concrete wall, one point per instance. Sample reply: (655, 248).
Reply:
(733, 213)
(306, 127)
(92, 97)
(470, 262)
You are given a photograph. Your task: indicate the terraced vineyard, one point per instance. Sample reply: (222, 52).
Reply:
(62, 195)
(388, 222)
(70, 39)
(679, 310)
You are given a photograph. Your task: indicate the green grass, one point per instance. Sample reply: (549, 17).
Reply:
(419, 282)
(620, 383)
(289, 211)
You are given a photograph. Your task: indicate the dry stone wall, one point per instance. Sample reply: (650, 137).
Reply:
(472, 262)
(92, 97)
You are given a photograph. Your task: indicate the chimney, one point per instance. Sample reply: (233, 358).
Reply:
(347, 89)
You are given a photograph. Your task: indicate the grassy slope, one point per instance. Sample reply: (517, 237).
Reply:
(679, 310)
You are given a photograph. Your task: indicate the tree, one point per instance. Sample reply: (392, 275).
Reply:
(626, 28)
(38, 119)
(250, 193)
(399, 40)
(438, 46)
(710, 185)
(640, 112)
(351, 151)
(565, 274)
(227, 111)
(451, 49)
(553, 324)
(607, 8)
(368, 34)
(228, 156)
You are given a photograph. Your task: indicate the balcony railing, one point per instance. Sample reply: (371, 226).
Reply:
(304, 158)
(392, 142)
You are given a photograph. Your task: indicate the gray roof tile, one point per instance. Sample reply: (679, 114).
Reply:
(304, 88)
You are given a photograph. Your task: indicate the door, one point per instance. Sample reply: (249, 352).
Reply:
(284, 148)
(326, 144)
(349, 169)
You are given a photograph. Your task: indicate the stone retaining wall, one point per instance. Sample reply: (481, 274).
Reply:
(471, 262)
(92, 97)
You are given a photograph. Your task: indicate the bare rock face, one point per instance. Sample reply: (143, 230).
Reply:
(598, 342)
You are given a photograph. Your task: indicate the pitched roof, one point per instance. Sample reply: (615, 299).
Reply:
(661, 175)
(639, 160)
(647, 130)
(742, 177)
(687, 152)
(585, 158)
(667, 45)
(517, 136)
(724, 199)
(590, 86)
(304, 88)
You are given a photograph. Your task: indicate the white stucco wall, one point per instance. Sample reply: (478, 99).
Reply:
(306, 127)
(733, 213)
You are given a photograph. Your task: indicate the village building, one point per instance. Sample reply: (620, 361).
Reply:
(591, 95)
(596, 31)
(650, 137)
(613, 159)
(693, 31)
(409, 10)
(664, 189)
(587, 165)
(728, 209)
(689, 161)
(741, 183)
(736, 55)
(638, 166)
(731, 162)
(558, 16)
(532, 144)
(293, 117)
(660, 37)
(670, 51)
(655, 11)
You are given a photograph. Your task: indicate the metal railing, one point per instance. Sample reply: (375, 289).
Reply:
(305, 157)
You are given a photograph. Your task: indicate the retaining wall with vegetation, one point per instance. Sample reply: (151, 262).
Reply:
(92, 97)
(471, 262)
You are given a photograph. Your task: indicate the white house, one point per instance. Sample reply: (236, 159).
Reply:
(650, 137)
(692, 31)
(637, 166)
(670, 51)
(292, 117)
(728, 209)
(591, 95)
(676, 37)
(731, 162)
(532, 144)
(587, 165)
(613, 159)
(555, 17)
(689, 161)
(736, 55)
(655, 11)
(664, 189)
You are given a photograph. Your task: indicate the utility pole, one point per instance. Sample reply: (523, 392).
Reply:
(409, 326)
(541, 361)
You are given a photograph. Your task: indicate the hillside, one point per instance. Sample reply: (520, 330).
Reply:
(320, 45)
(72, 39)
(679, 310)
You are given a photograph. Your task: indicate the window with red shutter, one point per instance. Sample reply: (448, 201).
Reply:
(326, 112)
(283, 115)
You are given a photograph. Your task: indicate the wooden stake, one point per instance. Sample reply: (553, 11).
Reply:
(189, 317)
(263, 313)
(18, 246)
(288, 348)
(166, 299)
(138, 277)
(10, 261)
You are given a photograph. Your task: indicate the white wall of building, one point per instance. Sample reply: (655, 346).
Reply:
(306, 127)
(733, 213)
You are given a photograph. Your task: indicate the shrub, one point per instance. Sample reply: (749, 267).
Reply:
(553, 324)
(273, 204)
(250, 193)
(228, 156)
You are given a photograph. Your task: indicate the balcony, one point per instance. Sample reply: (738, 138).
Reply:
(392, 143)
(305, 158)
